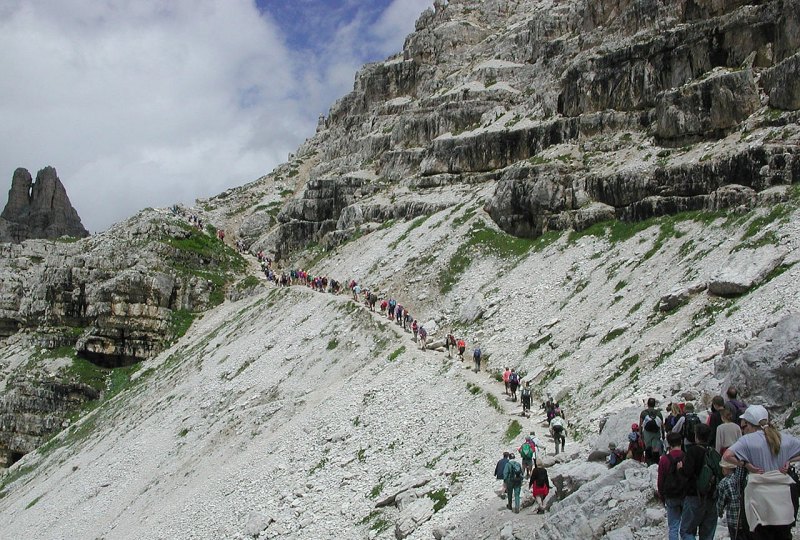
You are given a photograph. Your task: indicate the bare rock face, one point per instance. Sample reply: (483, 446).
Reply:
(708, 108)
(766, 370)
(39, 209)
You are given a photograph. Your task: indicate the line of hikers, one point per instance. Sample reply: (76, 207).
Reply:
(734, 463)
(512, 473)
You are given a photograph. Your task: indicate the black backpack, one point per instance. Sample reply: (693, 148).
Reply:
(675, 482)
(690, 422)
(710, 474)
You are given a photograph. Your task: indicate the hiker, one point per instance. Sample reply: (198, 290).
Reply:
(635, 444)
(513, 382)
(499, 469)
(714, 419)
(728, 433)
(462, 346)
(735, 405)
(540, 487)
(356, 291)
(729, 500)
(702, 471)
(526, 398)
(512, 475)
(671, 484)
(506, 374)
(414, 330)
(674, 414)
(558, 430)
(687, 425)
(615, 455)
(423, 337)
(767, 453)
(527, 453)
(449, 342)
(652, 424)
(476, 356)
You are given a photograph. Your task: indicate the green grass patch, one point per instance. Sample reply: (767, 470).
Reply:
(180, 321)
(623, 366)
(534, 345)
(183, 432)
(473, 389)
(414, 225)
(513, 431)
(492, 399)
(248, 283)
(332, 344)
(620, 285)
(34, 501)
(635, 307)
(439, 498)
(551, 375)
(376, 489)
(614, 334)
(481, 241)
(397, 352)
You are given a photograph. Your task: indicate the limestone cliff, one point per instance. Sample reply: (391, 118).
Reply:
(38, 209)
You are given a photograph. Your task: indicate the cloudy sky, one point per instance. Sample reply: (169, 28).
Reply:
(142, 103)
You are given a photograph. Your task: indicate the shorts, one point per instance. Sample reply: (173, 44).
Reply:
(540, 491)
(527, 462)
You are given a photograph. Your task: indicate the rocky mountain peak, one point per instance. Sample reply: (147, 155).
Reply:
(39, 209)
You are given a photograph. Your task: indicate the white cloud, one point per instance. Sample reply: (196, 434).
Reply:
(147, 103)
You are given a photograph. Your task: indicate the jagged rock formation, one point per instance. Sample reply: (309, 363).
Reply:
(116, 298)
(578, 112)
(38, 209)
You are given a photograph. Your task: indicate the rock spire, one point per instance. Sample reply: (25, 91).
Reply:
(39, 209)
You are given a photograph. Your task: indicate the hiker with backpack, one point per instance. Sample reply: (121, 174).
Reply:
(476, 356)
(635, 444)
(540, 487)
(513, 383)
(423, 337)
(525, 395)
(674, 414)
(558, 430)
(687, 425)
(703, 474)
(652, 423)
(512, 475)
(462, 346)
(671, 484)
(767, 454)
(499, 469)
(527, 453)
(414, 330)
(506, 375)
(449, 341)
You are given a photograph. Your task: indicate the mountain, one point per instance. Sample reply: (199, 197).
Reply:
(602, 195)
(39, 209)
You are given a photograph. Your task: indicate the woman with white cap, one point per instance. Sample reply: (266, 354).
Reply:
(767, 454)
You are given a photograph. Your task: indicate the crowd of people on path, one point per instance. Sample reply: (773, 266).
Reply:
(734, 463)
(513, 473)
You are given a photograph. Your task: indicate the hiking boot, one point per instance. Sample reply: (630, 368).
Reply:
(508, 506)
(516, 510)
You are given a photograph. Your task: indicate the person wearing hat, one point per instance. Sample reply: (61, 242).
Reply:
(635, 444)
(767, 455)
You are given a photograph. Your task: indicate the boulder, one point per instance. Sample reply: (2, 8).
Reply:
(257, 522)
(744, 270)
(415, 514)
(472, 309)
(253, 226)
(782, 84)
(766, 370)
(679, 296)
